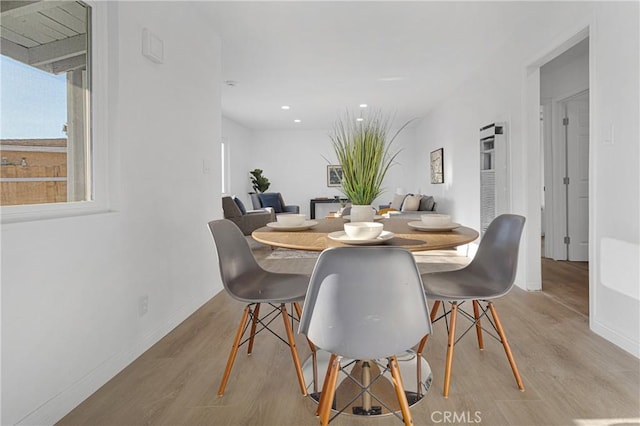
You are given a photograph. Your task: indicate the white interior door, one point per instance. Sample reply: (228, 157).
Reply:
(577, 161)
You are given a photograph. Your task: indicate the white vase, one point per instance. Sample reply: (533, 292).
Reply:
(362, 213)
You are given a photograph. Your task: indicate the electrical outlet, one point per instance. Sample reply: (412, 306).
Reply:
(143, 305)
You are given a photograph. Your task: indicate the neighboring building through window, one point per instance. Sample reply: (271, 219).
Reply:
(45, 126)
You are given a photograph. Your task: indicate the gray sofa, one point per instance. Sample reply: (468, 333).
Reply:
(411, 204)
(247, 220)
(273, 200)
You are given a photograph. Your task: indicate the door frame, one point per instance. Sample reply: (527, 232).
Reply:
(531, 129)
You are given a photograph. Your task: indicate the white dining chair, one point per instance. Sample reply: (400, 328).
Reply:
(490, 275)
(364, 303)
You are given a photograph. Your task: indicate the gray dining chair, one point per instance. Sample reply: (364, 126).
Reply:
(364, 303)
(246, 281)
(490, 275)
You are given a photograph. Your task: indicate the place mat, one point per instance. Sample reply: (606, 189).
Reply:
(436, 256)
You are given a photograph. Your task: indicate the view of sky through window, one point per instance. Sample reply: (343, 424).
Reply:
(33, 103)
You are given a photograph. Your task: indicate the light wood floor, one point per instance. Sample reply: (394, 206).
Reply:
(571, 376)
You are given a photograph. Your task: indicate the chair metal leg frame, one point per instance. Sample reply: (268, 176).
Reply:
(264, 322)
(365, 384)
(329, 388)
(342, 368)
(255, 320)
(327, 397)
(475, 319)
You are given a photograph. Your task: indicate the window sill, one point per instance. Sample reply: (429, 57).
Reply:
(37, 212)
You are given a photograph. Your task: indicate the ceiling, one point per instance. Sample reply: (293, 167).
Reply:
(49, 35)
(322, 58)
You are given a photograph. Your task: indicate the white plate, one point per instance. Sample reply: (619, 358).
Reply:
(342, 237)
(419, 225)
(375, 217)
(306, 225)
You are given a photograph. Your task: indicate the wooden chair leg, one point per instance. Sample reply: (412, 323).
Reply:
(450, 343)
(419, 365)
(476, 314)
(507, 348)
(434, 313)
(298, 309)
(314, 355)
(254, 323)
(325, 384)
(330, 390)
(434, 310)
(234, 351)
(294, 351)
(423, 342)
(399, 388)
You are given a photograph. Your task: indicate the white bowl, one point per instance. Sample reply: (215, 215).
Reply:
(290, 219)
(435, 219)
(363, 230)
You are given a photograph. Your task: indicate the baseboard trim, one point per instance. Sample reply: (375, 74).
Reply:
(629, 345)
(61, 404)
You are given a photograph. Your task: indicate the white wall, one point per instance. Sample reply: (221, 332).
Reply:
(70, 287)
(567, 74)
(615, 177)
(498, 92)
(296, 164)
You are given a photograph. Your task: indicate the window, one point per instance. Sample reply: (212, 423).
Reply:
(45, 127)
(223, 168)
(225, 164)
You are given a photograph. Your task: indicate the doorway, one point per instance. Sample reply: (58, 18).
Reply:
(564, 133)
(565, 208)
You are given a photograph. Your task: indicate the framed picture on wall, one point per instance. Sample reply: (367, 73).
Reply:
(334, 175)
(437, 170)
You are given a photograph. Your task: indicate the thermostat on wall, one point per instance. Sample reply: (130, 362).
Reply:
(152, 47)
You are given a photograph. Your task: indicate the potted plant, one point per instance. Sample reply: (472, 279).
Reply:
(260, 183)
(363, 149)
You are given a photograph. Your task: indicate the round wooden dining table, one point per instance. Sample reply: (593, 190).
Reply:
(316, 238)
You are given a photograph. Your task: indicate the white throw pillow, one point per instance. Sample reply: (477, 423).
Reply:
(397, 201)
(411, 203)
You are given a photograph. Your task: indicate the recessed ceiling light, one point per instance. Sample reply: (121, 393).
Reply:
(285, 107)
(359, 119)
(363, 105)
(297, 120)
(390, 78)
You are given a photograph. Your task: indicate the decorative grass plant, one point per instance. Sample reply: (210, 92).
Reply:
(364, 151)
